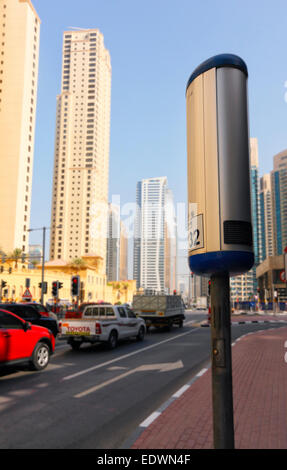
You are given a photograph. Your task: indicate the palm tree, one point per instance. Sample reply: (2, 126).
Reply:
(15, 255)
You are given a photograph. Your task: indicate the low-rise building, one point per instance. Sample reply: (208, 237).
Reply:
(271, 279)
(94, 287)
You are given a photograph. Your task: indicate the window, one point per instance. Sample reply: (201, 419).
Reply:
(9, 321)
(110, 312)
(89, 312)
(131, 314)
(122, 312)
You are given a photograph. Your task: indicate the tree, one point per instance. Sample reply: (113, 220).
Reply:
(77, 264)
(15, 255)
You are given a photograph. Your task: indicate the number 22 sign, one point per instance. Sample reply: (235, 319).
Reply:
(196, 239)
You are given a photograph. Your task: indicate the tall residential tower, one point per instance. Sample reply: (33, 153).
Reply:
(155, 236)
(19, 53)
(81, 163)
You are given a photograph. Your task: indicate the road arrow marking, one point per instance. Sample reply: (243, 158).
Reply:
(125, 356)
(160, 367)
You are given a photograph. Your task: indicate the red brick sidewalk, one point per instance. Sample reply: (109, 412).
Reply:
(259, 395)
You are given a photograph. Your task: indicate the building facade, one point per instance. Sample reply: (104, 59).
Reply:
(81, 162)
(244, 287)
(19, 57)
(267, 229)
(123, 271)
(279, 202)
(113, 243)
(94, 287)
(155, 236)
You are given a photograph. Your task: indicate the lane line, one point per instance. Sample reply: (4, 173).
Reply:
(180, 391)
(150, 419)
(117, 359)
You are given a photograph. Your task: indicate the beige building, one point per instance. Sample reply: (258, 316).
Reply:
(94, 287)
(81, 162)
(19, 52)
(271, 279)
(267, 216)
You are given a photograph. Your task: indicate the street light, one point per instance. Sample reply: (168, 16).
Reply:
(43, 254)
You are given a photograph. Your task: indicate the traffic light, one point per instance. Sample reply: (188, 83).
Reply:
(60, 285)
(55, 288)
(174, 292)
(45, 287)
(209, 285)
(75, 286)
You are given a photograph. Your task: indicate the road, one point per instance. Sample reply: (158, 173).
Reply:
(95, 398)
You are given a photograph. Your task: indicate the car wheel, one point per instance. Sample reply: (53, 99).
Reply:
(169, 325)
(141, 333)
(113, 340)
(41, 357)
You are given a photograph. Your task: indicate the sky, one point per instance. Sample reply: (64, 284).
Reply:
(155, 45)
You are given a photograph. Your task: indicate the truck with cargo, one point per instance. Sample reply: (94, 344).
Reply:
(159, 310)
(102, 323)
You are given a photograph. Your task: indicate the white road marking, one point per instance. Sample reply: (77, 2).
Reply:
(160, 367)
(201, 372)
(125, 356)
(181, 391)
(150, 419)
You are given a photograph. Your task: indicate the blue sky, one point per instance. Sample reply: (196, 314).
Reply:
(155, 45)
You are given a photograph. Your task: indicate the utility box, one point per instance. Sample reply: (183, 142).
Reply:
(220, 225)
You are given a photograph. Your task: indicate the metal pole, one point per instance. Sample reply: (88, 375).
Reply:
(43, 265)
(223, 427)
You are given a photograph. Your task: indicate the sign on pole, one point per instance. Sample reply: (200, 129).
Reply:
(27, 295)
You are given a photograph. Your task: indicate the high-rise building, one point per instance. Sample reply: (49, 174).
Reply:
(244, 287)
(154, 263)
(20, 36)
(117, 246)
(123, 271)
(170, 243)
(266, 216)
(279, 202)
(113, 243)
(81, 162)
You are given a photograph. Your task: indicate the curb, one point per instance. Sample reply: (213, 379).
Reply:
(153, 416)
(249, 322)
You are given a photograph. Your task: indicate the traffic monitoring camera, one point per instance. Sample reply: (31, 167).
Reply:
(220, 229)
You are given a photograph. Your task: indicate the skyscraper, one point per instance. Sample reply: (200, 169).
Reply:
(255, 203)
(267, 228)
(279, 201)
(154, 264)
(113, 243)
(20, 34)
(81, 162)
(123, 271)
(244, 287)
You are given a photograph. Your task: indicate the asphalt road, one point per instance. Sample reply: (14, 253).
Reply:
(95, 398)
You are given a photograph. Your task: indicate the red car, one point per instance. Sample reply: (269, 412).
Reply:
(21, 341)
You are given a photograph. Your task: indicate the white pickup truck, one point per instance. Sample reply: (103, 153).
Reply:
(102, 323)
